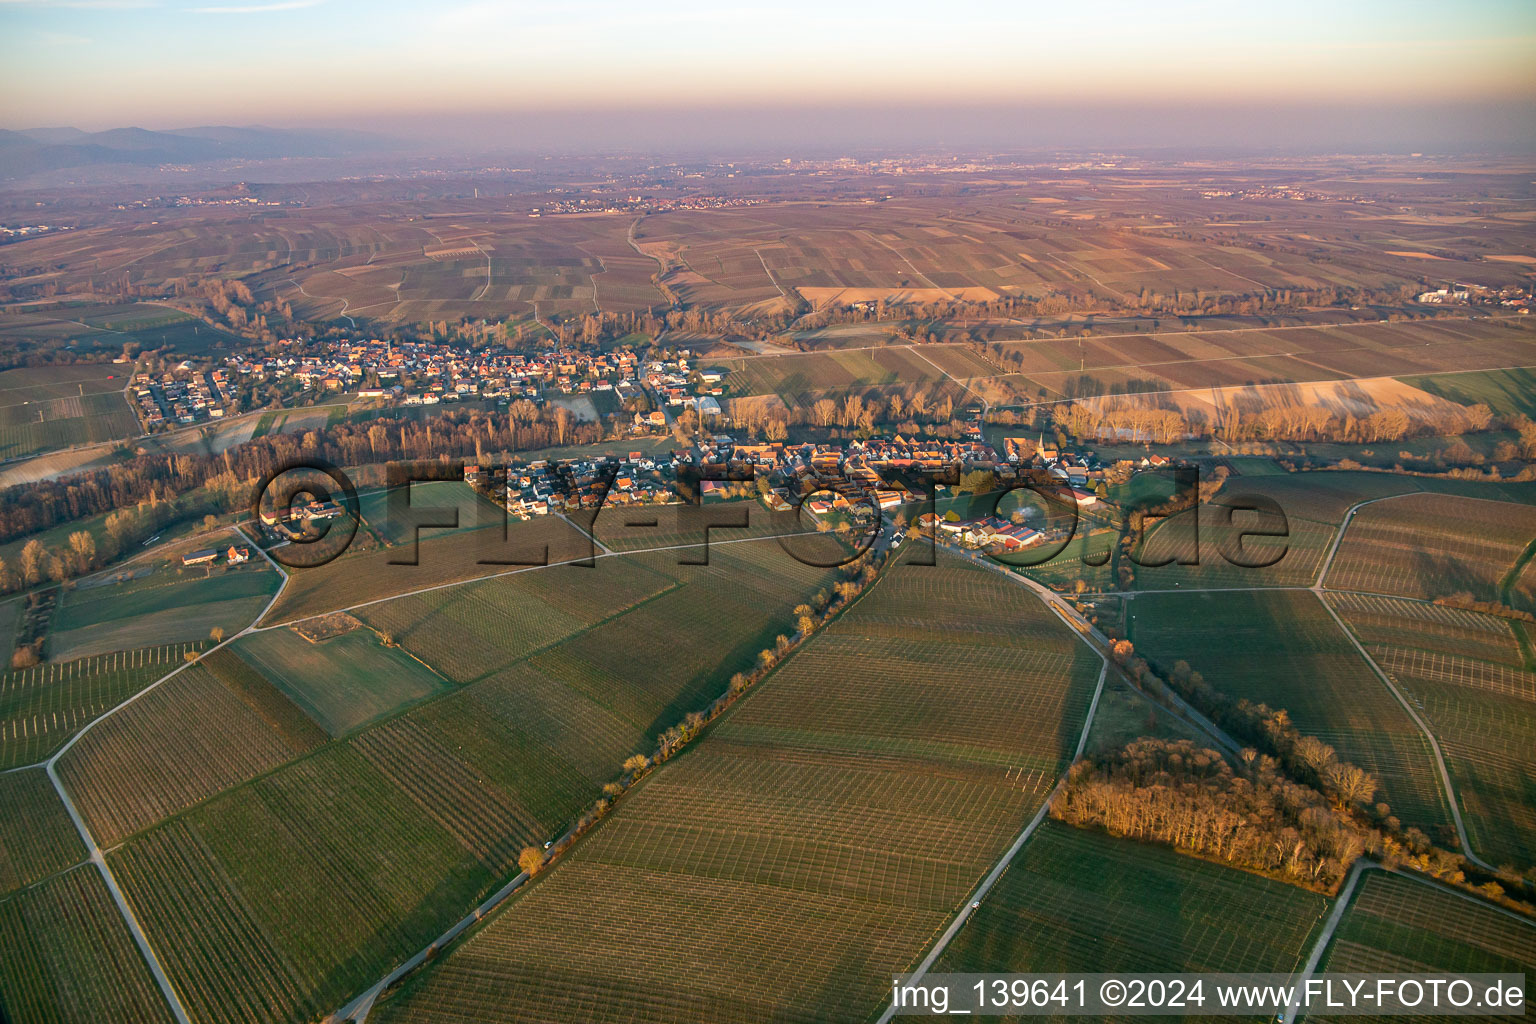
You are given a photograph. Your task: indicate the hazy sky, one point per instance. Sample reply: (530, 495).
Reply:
(106, 63)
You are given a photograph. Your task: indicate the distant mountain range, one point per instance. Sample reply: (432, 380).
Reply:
(43, 150)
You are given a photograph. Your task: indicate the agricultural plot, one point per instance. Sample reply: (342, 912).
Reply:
(1434, 545)
(1465, 674)
(308, 880)
(69, 957)
(814, 842)
(469, 631)
(449, 496)
(191, 737)
(1255, 367)
(1382, 622)
(10, 619)
(37, 838)
(1086, 557)
(1503, 391)
(1075, 900)
(405, 824)
(342, 683)
(163, 607)
(42, 706)
(357, 579)
(46, 407)
(1283, 649)
(1124, 715)
(1232, 547)
(1404, 925)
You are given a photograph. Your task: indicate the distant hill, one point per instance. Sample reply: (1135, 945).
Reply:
(42, 150)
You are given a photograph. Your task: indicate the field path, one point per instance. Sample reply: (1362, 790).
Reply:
(1434, 745)
(1338, 536)
(95, 854)
(1341, 903)
(917, 273)
(1318, 589)
(990, 880)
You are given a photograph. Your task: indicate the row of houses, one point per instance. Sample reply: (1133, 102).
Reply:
(181, 396)
(426, 373)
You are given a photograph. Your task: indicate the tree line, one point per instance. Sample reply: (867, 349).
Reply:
(1336, 807)
(156, 477)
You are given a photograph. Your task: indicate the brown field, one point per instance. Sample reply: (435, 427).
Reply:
(1109, 234)
(843, 296)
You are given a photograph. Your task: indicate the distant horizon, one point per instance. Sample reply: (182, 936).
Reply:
(1143, 130)
(1096, 73)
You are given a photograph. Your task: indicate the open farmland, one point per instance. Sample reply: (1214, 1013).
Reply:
(342, 683)
(405, 824)
(1075, 900)
(1254, 367)
(42, 706)
(814, 841)
(1503, 391)
(469, 631)
(454, 256)
(197, 733)
(164, 607)
(1466, 675)
(1402, 925)
(1435, 545)
(1222, 556)
(1283, 649)
(37, 838)
(69, 957)
(465, 554)
(47, 407)
(425, 498)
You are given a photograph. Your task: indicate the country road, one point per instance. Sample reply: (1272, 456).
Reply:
(980, 892)
(97, 857)
(94, 852)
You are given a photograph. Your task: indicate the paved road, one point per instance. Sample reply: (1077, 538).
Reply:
(1339, 906)
(583, 560)
(1096, 639)
(1007, 858)
(1434, 744)
(96, 856)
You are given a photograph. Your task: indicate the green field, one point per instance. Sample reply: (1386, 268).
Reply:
(314, 879)
(468, 631)
(69, 957)
(1075, 900)
(1282, 648)
(814, 841)
(426, 499)
(40, 707)
(47, 407)
(1503, 391)
(162, 607)
(194, 735)
(342, 683)
(355, 579)
(1409, 926)
(1435, 545)
(1124, 715)
(1465, 673)
(37, 838)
